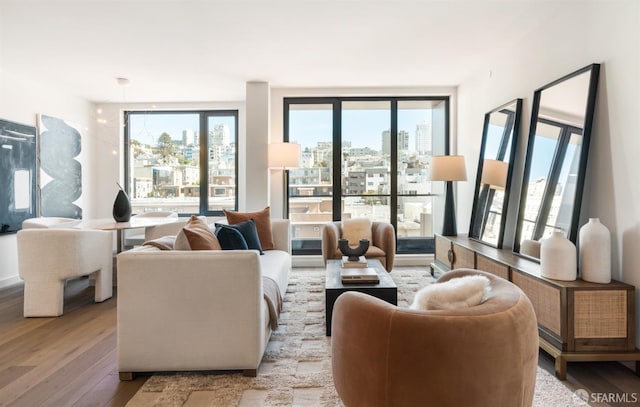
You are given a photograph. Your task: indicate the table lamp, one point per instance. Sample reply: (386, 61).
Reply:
(284, 156)
(448, 168)
(494, 174)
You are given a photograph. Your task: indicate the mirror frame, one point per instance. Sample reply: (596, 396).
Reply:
(593, 70)
(511, 155)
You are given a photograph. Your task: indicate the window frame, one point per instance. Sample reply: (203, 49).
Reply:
(404, 245)
(203, 118)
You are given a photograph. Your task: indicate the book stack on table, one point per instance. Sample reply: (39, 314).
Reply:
(346, 263)
(357, 271)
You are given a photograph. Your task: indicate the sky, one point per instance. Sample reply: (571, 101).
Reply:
(148, 127)
(362, 127)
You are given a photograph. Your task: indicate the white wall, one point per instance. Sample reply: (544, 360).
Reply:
(21, 99)
(577, 34)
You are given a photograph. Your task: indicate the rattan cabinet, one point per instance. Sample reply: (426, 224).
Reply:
(577, 320)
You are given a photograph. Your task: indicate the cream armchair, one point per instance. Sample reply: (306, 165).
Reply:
(382, 247)
(48, 257)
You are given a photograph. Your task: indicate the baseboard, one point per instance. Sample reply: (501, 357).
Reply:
(9, 281)
(405, 260)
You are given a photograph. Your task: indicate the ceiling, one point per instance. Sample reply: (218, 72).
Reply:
(207, 50)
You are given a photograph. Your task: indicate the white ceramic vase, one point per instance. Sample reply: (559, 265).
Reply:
(595, 252)
(558, 258)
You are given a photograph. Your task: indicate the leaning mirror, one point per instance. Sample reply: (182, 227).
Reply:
(556, 161)
(493, 180)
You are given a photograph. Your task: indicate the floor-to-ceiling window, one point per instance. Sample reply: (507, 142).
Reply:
(365, 157)
(182, 161)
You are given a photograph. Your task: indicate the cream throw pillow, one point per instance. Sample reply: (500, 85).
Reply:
(460, 292)
(355, 229)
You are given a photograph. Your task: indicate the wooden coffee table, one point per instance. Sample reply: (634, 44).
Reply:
(386, 289)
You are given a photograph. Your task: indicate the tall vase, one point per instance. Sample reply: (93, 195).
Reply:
(595, 252)
(558, 258)
(122, 207)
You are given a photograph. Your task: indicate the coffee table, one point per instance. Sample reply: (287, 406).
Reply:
(386, 289)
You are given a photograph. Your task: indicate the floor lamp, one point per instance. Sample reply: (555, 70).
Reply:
(448, 168)
(284, 156)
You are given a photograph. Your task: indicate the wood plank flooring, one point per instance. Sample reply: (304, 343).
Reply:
(71, 360)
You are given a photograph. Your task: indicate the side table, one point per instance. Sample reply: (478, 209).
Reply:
(386, 289)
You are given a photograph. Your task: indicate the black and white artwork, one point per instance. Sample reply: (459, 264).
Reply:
(60, 168)
(18, 177)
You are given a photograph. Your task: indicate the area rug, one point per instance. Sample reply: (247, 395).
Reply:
(296, 367)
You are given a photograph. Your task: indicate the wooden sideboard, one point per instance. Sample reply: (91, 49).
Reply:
(577, 320)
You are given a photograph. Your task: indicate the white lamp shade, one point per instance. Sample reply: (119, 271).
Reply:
(448, 168)
(494, 173)
(284, 155)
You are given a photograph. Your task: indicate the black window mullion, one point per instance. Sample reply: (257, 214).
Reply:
(393, 176)
(127, 161)
(552, 183)
(506, 135)
(204, 164)
(337, 160)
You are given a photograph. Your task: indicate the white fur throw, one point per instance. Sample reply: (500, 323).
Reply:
(460, 292)
(355, 229)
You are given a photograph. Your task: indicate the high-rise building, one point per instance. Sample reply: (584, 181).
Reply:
(187, 137)
(423, 137)
(386, 142)
(219, 136)
(403, 141)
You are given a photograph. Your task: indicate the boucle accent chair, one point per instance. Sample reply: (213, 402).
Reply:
(382, 247)
(48, 257)
(485, 355)
(48, 222)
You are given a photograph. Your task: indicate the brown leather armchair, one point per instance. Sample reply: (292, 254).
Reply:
(486, 355)
(382, 246)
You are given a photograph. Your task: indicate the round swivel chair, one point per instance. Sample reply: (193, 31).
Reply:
(484, 355)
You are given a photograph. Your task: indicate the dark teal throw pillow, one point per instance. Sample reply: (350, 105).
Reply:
(230, 238)
(250, 233)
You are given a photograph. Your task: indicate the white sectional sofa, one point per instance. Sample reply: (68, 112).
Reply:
(197, 310)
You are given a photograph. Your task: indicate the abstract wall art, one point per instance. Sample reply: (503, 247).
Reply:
(18, 177)
(60, 168)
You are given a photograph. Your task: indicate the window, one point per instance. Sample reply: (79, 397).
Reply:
(365, 157)
(171, 166)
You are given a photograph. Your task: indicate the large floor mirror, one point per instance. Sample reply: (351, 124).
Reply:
(495, 166)
(556, 160)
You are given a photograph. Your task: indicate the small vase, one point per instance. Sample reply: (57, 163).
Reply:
(558, 258)
(122, 207)
(595, 252)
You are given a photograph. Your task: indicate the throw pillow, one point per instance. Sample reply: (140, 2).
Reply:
(196, 235)
(230, 238)
(460, 292)
(162, 243)
(355, 229)
(249, 232)
(263, 224)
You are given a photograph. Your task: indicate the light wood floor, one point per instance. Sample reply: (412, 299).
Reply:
(71, 360)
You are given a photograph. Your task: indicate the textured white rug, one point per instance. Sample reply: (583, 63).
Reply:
(296, 368)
